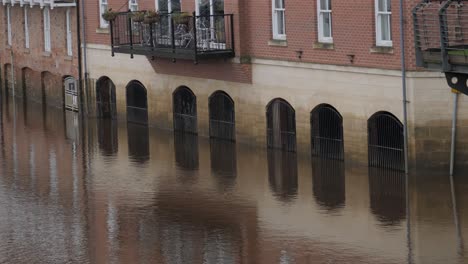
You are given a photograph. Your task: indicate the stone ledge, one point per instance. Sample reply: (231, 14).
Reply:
(102, 30)
(27, 51)
(323, 45)
(278, 42)
(68, 58)
(46, 54)
(381, 50)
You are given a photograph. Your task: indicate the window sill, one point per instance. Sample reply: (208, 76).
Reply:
(46, 54)
(323, 45)
(278, 42)
(27, 51)
(8, 47)
(102, 30)
(382, 50)
(68, 58)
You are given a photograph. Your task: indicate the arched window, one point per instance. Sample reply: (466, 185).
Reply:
(137, 104)
(222, 116)
(385, 136)
(326, 132)
(281, 125)
(185, 110)
(105, 98)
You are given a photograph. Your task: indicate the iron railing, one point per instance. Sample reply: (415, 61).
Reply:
(174, 36)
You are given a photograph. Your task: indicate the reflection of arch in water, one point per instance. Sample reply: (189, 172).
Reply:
(106, 106)
(385, 141)
(282, 174)
(328, 177)
(326, 132)
(186, 150)
(223, 162)
(281, 125)
(222, 116)
(185, 110)
(138, 142)
(387, 190)
(137, 103)
(108, 139)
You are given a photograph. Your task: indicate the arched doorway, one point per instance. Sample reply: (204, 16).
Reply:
(326, 132)
(71, 93)
(185, 110)
(137, 103)
(281, 125)
(222, 116)
(106, 106)
(385, 139)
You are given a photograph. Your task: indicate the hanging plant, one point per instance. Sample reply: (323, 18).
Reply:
(109, 15)
(181, 18)
(138, 16)
(151, 17)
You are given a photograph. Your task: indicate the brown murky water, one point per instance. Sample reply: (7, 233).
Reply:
(90, 191)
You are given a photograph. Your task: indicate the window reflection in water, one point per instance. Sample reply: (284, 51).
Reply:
(223, 163)
(108, 139)
(138, 142)
(186, 150)
(282, 174)
(328, 177)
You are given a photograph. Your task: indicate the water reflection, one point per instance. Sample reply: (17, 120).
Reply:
(282, 174)
(108, 136)
(387, 190)
(138, 142)
(328, 177)
(223, 163)
(186, 150)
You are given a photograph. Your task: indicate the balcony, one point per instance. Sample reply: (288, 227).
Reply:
(40, 3)
(174, 36)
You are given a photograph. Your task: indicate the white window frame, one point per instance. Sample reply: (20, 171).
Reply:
(379, 15)
(47, 41)
(275, 13)
(26, 28)
(103, 7)
(133, 5)
(69, 34)
(8, 17)
(321, 10)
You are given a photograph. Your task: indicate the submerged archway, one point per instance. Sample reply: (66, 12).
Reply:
(137, 103)
(281, 125)
(326, 132)
(222, 116)
(106, 106)
(185, 110)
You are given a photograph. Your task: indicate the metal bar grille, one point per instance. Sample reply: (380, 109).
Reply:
(223, 163)
(186, 151)
(327, 132)
(281, 126)
(282, 174)
(222, 116)
(328, 179)
(106, 98)
(137, 104)
(185, 110)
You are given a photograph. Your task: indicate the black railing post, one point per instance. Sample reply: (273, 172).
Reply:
(194, 19)
(444, 38)
(130, 30)
(151, 36)
(171, 24)
(111, 25)
(232, 31)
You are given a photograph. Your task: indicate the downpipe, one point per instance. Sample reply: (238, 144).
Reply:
(454, 132)
(13, 81)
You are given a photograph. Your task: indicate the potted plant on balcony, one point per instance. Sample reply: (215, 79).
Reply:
(181, 18)
(109, 15)
(151, 17)
(138, 16)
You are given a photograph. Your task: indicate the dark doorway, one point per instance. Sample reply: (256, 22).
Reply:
(137, 103)
(106, 106)
(328, 179)
(222, 116)
(385, 136)
(282, 174)
(185, 110)
(281, 125)
(138, 142)
(326, 132)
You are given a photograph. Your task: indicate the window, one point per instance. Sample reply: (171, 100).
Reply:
(133, 5)
(383, 18)
(69, 35)
(8, 17)
(103, 6)
(47, 30)
(26, 29)
(279, 25)
(324, 21)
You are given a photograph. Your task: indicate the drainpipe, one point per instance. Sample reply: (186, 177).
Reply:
(85, 53)
(454, 131)
(80, 66)
(12, 73)
(403, 81)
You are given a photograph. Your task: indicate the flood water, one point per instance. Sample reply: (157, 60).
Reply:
(95, 191)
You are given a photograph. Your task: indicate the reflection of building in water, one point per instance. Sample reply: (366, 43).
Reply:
(328, 177)
(186, 150)
(387, 190)
(282, 174)
(223, 162)
(138, 142)
(108, 139)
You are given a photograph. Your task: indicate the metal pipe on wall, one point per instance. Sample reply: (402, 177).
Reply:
(454, 132)
(403, 81)
(85, 53)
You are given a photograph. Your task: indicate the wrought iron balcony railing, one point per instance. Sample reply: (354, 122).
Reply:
(40, 3)
(174, 36)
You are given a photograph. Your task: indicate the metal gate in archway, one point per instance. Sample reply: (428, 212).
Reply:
(326, 132)
(71, 94)
(281, 126)
(385, 142)
(185, 110)
(137, 103)
(105, 98)
(222, 116)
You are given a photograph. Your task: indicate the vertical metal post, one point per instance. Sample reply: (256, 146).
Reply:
(232, 31)
(444, 36)
(111, 25)
(195, 37)
(151, 36)
(454, 130)
(403, 81)
(130, 29)
(171, 25)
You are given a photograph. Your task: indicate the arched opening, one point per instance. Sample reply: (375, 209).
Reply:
(70, 91)
(281, 125)
(222, 116)
(185, 110)
(8, 79)
(326, 132)
(385, 141)
(328, 179)
(27, 83)
(137, 103)
(106, 106)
